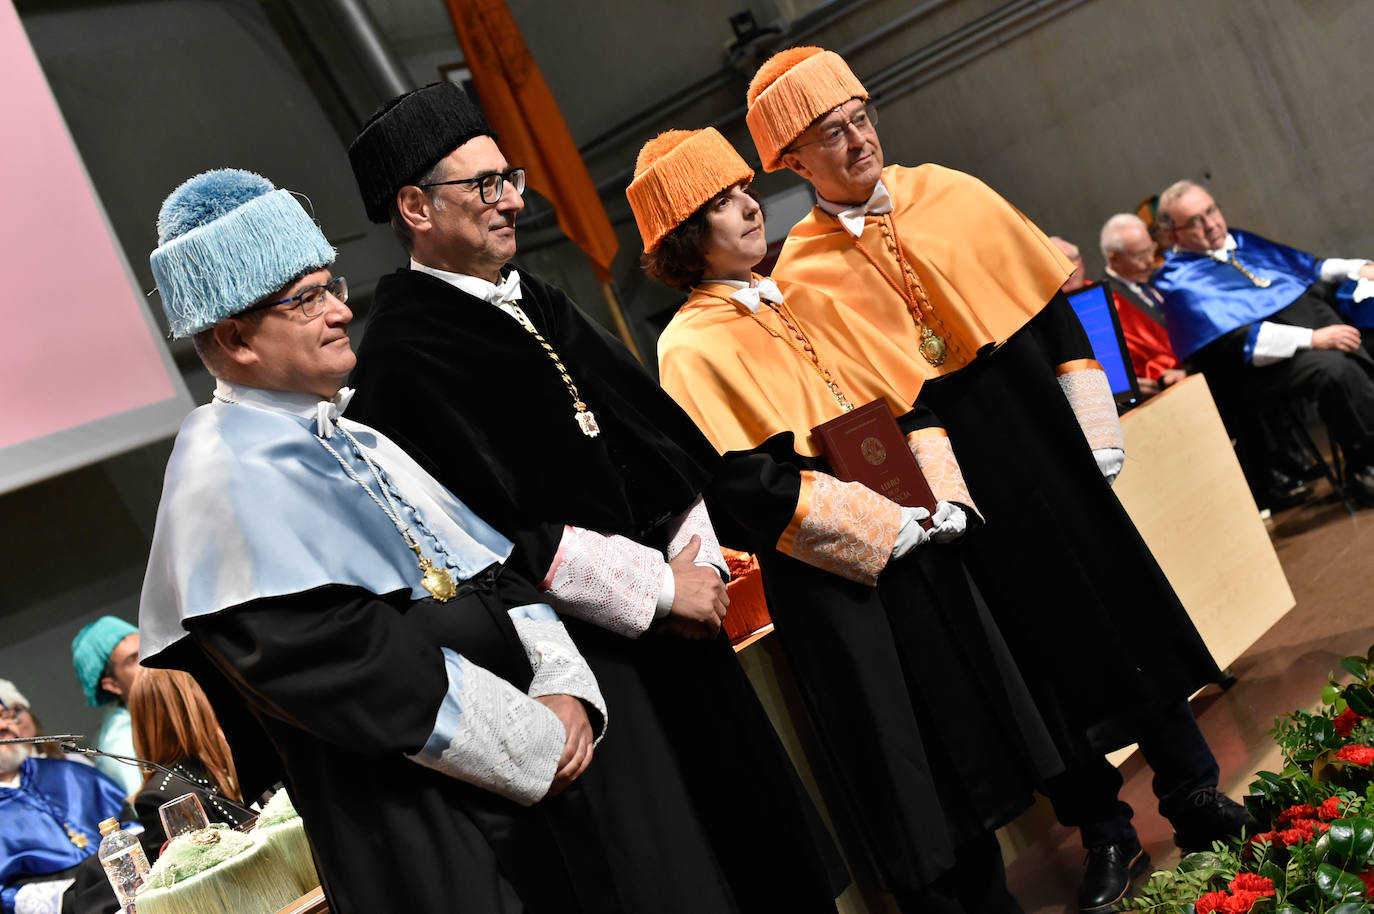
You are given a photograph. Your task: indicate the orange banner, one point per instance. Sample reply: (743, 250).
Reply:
(530, 128)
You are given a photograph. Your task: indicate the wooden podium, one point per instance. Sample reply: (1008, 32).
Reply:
(1184, 489)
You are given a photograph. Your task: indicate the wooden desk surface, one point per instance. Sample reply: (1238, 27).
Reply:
(1185, 491)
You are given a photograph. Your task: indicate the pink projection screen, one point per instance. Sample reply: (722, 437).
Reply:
(83, 372)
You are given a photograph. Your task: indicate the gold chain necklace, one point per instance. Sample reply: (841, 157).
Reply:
(933, 347)
(1259, 281)
(586, 419)
(433, 578)
(809, 355)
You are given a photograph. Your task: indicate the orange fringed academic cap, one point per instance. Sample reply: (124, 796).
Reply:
(675, 174)
(791, 90)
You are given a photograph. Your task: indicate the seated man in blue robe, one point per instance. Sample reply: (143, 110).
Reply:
(345, 613)
(1243, 310)
(50, 815)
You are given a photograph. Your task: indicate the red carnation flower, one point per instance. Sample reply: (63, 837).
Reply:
(1330, 808)
(1240, 902)
(1345, 722)
(1253, 882)
(1294, 813)
(1367, 877)
(1210, 902)
(1291, 836)
(1356, 754)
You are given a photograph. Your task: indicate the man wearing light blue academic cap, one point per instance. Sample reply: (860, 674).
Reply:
(105, 656)
(427, 710)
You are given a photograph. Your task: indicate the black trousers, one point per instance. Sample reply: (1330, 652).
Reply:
(1340, 385)
(977, 884)
(1086, 796)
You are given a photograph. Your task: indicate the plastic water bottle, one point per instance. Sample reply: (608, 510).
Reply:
(126, 866)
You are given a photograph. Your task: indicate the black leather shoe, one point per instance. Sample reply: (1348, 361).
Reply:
(1282, 491)
(1209, 815)
(1296, 462)
(1109, 874)
(1359, 483)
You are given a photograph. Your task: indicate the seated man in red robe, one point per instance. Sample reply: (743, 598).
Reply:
(1129, 251)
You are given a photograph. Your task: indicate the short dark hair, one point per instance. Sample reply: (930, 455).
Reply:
(677, 262)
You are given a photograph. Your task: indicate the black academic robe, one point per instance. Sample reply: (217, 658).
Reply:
(1094, 624)
(918, 703)
(471, 395)
(332, 679)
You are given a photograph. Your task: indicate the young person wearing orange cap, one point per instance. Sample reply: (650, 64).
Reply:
(875, 612)
(936, 262)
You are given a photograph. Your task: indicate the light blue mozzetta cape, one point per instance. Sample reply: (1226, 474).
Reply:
(253, 506)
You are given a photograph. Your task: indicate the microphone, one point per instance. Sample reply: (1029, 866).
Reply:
(71, 742)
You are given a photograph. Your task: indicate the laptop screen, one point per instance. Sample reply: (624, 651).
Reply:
(1096, 312)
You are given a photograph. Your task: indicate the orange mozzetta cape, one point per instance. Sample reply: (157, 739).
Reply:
(985, 267)
(742, 386)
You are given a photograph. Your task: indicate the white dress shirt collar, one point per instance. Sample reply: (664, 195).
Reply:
(301, 405)
(752, 294)
(1223, 253)
(508, 290)
(852, 217)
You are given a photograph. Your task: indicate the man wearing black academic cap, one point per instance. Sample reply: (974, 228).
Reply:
(547, 426)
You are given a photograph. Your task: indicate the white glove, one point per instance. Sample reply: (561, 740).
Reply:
(948, 523)
(910, 534)
(1110, 460)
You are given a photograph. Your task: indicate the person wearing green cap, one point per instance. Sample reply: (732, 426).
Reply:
(105, 655)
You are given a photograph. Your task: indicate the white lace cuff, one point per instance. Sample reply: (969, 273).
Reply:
(1339, 269)
(1088, 391)
(41, 897)
(696, 521)
(559, 668)
(491, 735)
(610, 581)
(1276, 342)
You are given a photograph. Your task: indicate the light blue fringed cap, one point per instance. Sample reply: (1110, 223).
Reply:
(225, 240)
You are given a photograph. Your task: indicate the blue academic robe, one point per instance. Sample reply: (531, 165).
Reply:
(53, 794)
(1205, 299)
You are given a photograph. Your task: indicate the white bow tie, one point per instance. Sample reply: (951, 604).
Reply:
(329, 411)
(506, 291)
(752, 297)
(853, 218)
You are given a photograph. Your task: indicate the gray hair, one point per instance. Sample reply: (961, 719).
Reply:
(1171, 195)
(1068, 247)
(1110, 239)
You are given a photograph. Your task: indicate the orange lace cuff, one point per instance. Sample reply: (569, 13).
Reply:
(842, 527)
(935, 457)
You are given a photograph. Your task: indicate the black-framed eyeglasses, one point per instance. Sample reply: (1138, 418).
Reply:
(833, 134)
(491, 186)
(310, 300)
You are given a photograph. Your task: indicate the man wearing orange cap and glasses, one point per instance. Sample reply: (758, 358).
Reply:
(934, 260)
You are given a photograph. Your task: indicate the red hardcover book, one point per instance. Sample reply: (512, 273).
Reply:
(865, 445)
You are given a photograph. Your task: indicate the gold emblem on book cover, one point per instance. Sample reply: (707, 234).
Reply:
(873, 451)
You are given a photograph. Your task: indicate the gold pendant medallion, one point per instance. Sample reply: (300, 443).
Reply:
(77, 839)
(932, 347)
(436, 580)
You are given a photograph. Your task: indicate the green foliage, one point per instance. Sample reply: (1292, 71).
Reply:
(1319, 874)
